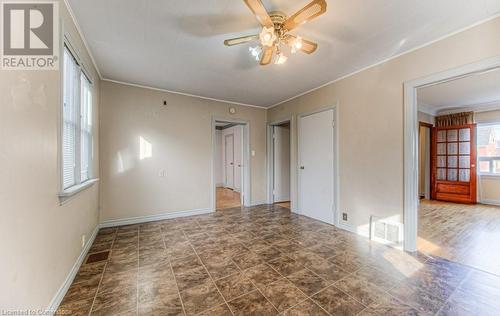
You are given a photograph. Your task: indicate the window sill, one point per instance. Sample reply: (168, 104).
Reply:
(72, 191)
(490, 176)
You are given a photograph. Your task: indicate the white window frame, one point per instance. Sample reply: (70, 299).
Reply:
(486, 174)
(67, 192)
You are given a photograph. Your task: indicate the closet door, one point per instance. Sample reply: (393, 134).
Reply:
(454, 163)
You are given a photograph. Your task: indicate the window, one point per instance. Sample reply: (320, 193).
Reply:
(77, 124)
(488, 149)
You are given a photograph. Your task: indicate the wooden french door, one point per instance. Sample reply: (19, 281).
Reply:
(453, 174)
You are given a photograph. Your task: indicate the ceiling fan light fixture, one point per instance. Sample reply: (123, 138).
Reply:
(267, 36)
(275, 35)
(255, 52)
(280, 59)
(296, 45)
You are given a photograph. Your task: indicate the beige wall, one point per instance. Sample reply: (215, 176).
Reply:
(489, 186)
(371, 119)
(40, 240)
(180, 136)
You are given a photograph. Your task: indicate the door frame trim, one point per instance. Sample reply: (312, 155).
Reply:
(335, 175)
(410, 158)
(246, 189)
(270, 159)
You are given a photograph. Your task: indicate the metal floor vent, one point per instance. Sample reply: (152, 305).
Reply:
(385, 231)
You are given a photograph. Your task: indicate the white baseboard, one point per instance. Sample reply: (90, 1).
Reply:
(56, 300)
(152, 218)
(490, 202)
(347, 227)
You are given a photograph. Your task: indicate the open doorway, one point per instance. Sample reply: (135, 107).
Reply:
(424, 163)
(280, 164)
(460, 218)
(230, 159)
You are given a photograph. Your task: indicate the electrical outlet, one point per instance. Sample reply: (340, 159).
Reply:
(162, 173)
(84, 239)
(344, 217)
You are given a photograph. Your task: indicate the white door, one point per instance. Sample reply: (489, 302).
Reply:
(316, 166)
(281, 147)
(229, 160)
(238, 163)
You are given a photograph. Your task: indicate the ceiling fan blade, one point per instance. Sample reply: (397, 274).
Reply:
(267, 55)
(308, 47)
(260, 12)
(306, 14)
(241, 40)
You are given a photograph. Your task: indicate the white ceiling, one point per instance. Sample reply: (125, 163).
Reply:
(178, 45)
(474, 92)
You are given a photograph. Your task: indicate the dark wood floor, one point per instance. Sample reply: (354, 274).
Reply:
(469, 234)
(264, 261)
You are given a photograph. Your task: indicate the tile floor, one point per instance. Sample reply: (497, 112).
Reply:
(267, 261)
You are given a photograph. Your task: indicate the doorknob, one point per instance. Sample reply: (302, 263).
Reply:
(239, 165)
(231, 163)
(302, 168)
(473, 166)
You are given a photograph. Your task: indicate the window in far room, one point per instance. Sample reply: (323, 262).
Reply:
(488, 149)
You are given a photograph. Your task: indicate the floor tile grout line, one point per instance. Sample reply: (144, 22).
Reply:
(332, 284)
(172, 270)
(308, 297)
(103, 271)
(256, 287)
(305, 294)
(209, 275)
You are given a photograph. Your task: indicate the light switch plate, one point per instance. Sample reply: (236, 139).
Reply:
(253, 153)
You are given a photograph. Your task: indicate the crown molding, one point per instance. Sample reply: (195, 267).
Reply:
(73, 17)
(390, 58)
(181, 93)
(477, 108)
(80, 32)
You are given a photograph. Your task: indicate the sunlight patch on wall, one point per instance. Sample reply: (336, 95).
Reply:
(124, 160)
(145, 149)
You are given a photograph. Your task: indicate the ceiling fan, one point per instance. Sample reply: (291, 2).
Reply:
(275, 35)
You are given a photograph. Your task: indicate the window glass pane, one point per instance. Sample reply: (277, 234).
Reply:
(452, 161)
(441, 161)
(70, 120)
(86, 127)
(464, 175)
(441, 149)
(464, 134)
(441, 174)
(441, 136)
(452, 148)
(488, 148)
(452, 175)
(452, 135)
(464, 148)
(464, 161)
